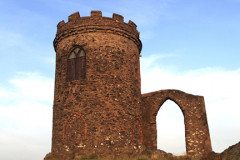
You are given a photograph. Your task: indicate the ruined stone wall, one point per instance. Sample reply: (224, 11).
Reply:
(197, 135)
(98, 114)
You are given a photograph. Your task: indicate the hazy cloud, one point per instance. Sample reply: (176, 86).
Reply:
(26, 116)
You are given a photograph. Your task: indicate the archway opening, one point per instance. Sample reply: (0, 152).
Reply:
(171, 129)
(75, 132)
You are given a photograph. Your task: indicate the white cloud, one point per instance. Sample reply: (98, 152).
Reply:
(34, 86)
(26, 116)
(2, 93)
(221, 90)
(23, 145)
(148, 63)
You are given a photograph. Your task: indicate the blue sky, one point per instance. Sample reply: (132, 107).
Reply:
(191, 46)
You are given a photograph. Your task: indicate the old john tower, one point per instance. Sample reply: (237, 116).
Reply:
(98, 106)
(97, 86)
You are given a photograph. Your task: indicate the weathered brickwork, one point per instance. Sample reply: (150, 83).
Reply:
(197, 135)
(103, 112)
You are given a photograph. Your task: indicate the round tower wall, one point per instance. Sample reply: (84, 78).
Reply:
(97, 114)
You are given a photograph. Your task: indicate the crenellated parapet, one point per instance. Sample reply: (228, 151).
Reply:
(97, 23)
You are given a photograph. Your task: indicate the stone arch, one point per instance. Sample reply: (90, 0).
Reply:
(164, 100)
(197, 135)
(180, 122)
(140, 128)
(174, 99)
(73, 46)
(73, 133)
(67, 122)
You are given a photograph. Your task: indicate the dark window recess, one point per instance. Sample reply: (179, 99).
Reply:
(80, 67)
(76, 65)
(71, 69)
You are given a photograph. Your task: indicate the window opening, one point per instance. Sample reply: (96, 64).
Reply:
(76, 65)
(81, 54)
(76, 50)
(72, 55)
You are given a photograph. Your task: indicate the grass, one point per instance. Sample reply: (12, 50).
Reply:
(143, 156)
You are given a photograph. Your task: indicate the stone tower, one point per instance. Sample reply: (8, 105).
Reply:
(98, 106)
(97, 88)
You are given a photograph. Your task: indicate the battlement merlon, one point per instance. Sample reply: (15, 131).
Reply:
(115, 21)
(97, 22)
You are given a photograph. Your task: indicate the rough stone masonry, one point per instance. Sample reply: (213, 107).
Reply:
(98, 106)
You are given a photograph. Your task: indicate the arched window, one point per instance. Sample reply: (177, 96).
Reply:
(76, 64)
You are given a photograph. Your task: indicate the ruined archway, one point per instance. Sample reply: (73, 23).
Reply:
(74, 131)
(170, 128)
(197, 135)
